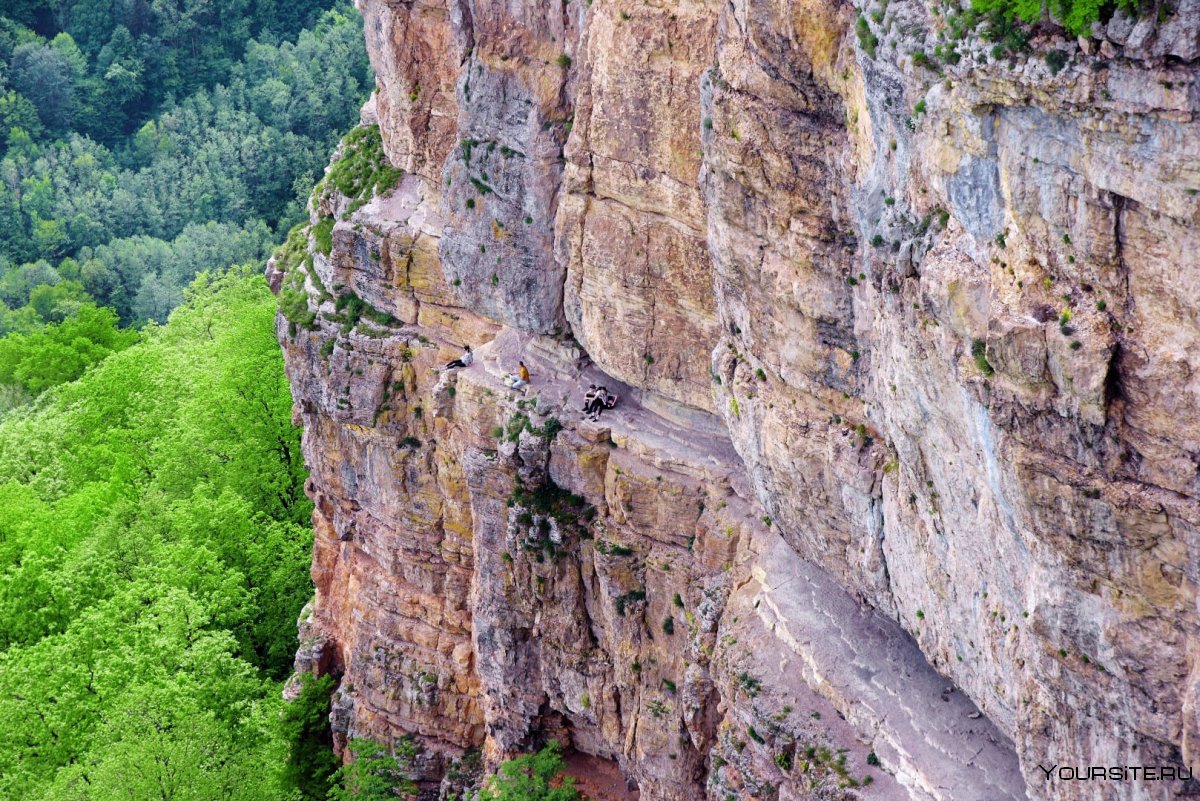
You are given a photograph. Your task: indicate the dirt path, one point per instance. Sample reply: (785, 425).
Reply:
(599, 779)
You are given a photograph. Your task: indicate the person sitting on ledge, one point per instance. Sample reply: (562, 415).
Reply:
(462, 361)
(588, 396)
(520, 379)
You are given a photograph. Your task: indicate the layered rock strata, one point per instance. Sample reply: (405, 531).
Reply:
(901, 500)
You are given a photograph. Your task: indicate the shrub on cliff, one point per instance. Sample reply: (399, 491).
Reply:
(311, 763)
(374, 774)
(1076, 16)
(532, 777)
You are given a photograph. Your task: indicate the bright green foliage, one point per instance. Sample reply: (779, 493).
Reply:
(323, 235)
(979, 354)
(1076, 16)
(154, 543)
(362, 171)
(374, 774)
(866, 38)
(532, 778)
(311, 762)
(31, 363)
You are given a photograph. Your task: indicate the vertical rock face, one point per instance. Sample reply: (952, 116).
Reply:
(902, 496)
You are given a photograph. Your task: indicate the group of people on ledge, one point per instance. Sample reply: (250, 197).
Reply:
(595, 400)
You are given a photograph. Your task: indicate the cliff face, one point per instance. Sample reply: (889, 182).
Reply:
(910, 419)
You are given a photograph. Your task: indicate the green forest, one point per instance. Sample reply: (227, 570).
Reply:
(155, 537)
(143, 142)
(154, 533)
(155, 541)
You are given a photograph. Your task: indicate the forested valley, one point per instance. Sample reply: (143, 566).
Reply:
(154, 532)
(142, 143)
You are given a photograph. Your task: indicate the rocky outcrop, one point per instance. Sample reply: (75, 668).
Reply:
(902, 499)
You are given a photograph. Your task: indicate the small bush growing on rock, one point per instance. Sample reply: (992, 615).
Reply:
(323, 235)
(921, 59)
(753, 734)
(532, 777)
(677, 600)
(783, 760)
(564, 61)
(411, 443)
(1055, 60)
(631, 597)
(610, 549)
(749, 684)
(549, 429)
(362, 170)
(872, 760)
(760, 375)
(866, 39)
(979, 352)
(669, 686)
(375, 775)
(668, 625)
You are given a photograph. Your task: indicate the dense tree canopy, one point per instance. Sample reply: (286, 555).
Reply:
(154, 533)
(154, 542)
(104, 68)
(102, 204)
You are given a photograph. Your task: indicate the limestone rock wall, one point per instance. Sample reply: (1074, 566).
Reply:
(910, 421)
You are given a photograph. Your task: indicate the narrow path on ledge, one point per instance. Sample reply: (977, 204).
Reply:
(925, 730)
(669, 433)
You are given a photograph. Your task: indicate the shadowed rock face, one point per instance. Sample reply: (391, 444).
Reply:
(907, 461)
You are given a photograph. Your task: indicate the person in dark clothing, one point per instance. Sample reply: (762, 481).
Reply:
(589, 396)
(462, 361)
(596, 404)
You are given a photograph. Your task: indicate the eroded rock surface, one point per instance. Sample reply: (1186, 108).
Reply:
(902, 499)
